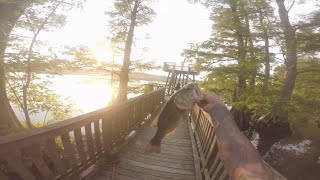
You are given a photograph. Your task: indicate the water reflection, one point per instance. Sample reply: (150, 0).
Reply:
(88, 93)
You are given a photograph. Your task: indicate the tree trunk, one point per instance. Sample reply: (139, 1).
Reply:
(124, 73)
(254, 66)
(10, 11)
(267, 54)
(241, 49)
(28, 71)
(240, 114)
(290, 53)
(278, 126)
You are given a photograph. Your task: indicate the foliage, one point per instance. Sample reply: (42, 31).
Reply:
(245, 39)
(306, 97)
(41, 99)
(120, 19)
(26, 58)
(123, 20)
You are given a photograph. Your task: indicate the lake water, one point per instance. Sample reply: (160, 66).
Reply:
(86, 92)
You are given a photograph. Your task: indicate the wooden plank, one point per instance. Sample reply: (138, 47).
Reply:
(178, 134)
(167, 175)
(138, 175)
(159, 163)
(210, 137)
(201, 130)
(89, 140)
(97, 134)
(156, 158)
(34, 151)
(80, 146)
(115, 176)
(55, 156)
(175, 138)
(121, 122)
(224, 175)
(107, 133)
(68, 150)
(209, 154)
(205, 133)
(214, 164)
(206, 174)
(178, 155)
(276, 175)
(201, 156)
(132, 115)
(195, 155)
(139, 112)
(197, 119)
(155, 167)
(162, 154)
(18, 167)
(166, 147)
(220, 166)
(20, 140)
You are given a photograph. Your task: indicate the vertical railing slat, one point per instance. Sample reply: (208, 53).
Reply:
(89, 140)
(107, 134)
(214, 164)
(209, 154)
(97, 135)
(55, 156)
(209, 139)
(224, 175)
(215, 174)
(68, 150)
(80, 145)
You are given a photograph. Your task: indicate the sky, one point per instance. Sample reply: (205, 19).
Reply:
(176, 24)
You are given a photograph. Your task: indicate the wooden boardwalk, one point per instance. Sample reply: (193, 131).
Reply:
(174, 162)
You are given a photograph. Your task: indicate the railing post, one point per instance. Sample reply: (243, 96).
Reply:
(198, 120)
(107, 133)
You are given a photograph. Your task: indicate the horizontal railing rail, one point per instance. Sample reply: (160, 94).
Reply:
(64, 150)
(207, 160)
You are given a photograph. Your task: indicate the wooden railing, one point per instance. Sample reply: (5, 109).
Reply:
(207, 161)
(65, 150)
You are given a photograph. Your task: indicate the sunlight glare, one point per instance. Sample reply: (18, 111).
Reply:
(102, 52)
(89, 93)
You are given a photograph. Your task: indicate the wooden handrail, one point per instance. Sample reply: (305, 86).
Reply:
(207, 160)
(65, 149)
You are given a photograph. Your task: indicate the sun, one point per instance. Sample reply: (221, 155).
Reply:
(102, 52)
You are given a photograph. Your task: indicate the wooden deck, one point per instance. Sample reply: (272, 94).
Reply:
(174, 162)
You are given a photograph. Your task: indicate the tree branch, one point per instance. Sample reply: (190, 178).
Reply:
(291, 6)
(14, 93)
(29, 23)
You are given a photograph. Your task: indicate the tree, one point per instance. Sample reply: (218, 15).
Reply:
(126, 16)
(10, 12)
(36, 18)
(239, 52)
